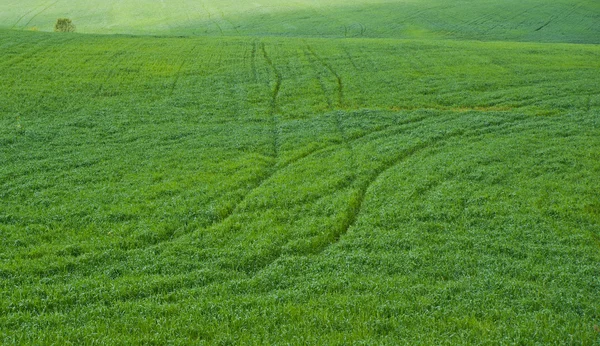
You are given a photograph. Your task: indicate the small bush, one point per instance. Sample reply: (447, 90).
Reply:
(64, 25)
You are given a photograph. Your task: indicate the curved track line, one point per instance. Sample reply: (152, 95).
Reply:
(212, 20)
(253, 62)
(229, 22)
(355, 206)
(178, 73)
(350, 58)
(393, 129)
(23, 16)
(340, 84)
(110, 70)
(357, 201)
(311, 62)
(283, 165)
(274, 96)
(37, 14)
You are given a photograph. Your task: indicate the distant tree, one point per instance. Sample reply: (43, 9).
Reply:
(64, 25)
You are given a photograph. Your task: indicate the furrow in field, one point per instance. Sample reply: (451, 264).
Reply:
(384, 131)
(319, 244)
(546, 23)
(322, 242)
(513, 15)
(278, 79)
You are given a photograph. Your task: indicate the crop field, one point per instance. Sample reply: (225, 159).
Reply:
(516, 20)
(310, 172)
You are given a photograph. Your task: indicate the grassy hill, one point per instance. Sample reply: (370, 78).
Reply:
(515, 20)
(333, 186)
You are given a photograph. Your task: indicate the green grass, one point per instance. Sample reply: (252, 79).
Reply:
(246, 188)
(490, 20)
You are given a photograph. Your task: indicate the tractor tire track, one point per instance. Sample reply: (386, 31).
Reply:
(113, 66)
(396, 126)
(350, 58)
(274, 96)
(357, 200)
(253, 62)
(326, 93)
(340, 83)
(320, 244)
(554, 17)
(210, 18)
(25, 15)
(384, 131)
(178, 73)
(546, 24)
(39, 47)
(229, 22)
(40, 12)
(349, 148)
(275, 134)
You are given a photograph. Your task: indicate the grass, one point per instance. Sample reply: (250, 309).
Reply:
(513, 20)
(246, 188)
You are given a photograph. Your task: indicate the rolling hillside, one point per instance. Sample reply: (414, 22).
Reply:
(489, 20)
(363, 172)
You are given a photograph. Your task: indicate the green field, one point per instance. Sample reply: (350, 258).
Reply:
(309, 172)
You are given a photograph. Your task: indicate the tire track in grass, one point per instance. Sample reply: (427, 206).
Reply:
(178, 73)
(340, 83)
(468, 23)
(326, 93)
(274, 96)
(413, 15)
(381, 132)
(396, 126)
(229, 22)
(350, 58)
(357, 200)
(275, 134)
(43, 45)
(111, 69)
(319, 244)
(546, 23)
(278, 252)
(386, 130)
(554, 17)
(210, 18)
(25, 15)
(40, 12)
(349, 148)
(500, 22)
(253, 61)
(177, 282)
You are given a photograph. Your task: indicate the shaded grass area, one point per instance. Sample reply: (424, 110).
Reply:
(241, 190)
(508, 20)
